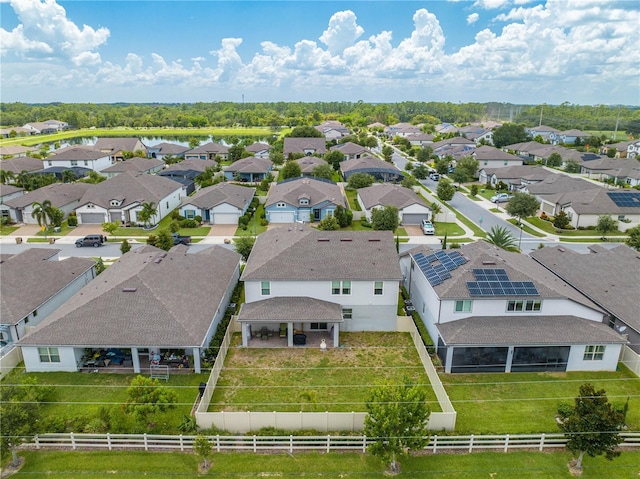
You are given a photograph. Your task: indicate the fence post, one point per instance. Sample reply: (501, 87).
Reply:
(255, 449)
(37, 441)
(435, 443)
(181, 444)
(146, 446)
(217, 442)
(506, 443)
(364, 444)
(328, 442)
(471, 443)
(73, 441)
(291, 444)
(109, 440)
(542, 442)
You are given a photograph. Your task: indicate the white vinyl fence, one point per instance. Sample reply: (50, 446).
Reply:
(630, 359)
(291, 444)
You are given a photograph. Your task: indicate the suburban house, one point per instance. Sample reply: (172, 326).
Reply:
(304, 146)
(259, 150)
(490, 157)
(117, 147)
(251, 169)
(301, 281)
(121, 198)
(14, 131)
(351, 150)
(477, 133)
(489, 310)
(333, 130)
(411, 208)
(35, 282)
(625, 171)
(547, 133)
(64, 196)
(456, 147)
(381, 170)
(136, 164)
(633, 149)
(516, 177)
(187, 171)
(220, 204)
(622, 148)
(569, 137)
(8, 192)
(18, 164)
(303, 200)
(401, 129)
(45, 127)
(616, 288)
(420, 139)
(532, 151)
(164, 149)
(550, 191)
(308, 163)
(13, 151)
(208, 151)
(135, 311)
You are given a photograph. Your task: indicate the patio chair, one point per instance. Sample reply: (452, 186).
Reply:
(283, 330)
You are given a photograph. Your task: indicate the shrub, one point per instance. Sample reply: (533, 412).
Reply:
(175, 215)
(364, 223)
(72, 220)
(198, 219)
(263, 222)
(185, 223)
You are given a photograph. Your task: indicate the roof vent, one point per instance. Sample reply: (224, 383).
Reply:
(129, 290)
(346, 239)
(374, 240)
(325, 240)
(157, 260)
(489, 262)
(561, 249)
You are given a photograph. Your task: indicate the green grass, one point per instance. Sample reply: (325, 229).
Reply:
(592, 240)
(77, 397)
(254, 226)
(549, 228)
(620, 135)
(526, 228)
(474, 198)
(495, 210)
(307, 379)
(450, 229)
(7, 230)
(356, 225)
(477, 231)
(352, 196)
(481, 465)
(519, 403)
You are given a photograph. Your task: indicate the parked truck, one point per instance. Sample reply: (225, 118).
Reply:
(177, 239)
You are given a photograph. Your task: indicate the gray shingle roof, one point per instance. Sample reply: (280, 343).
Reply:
(294, 308)
(194, 164)
(299, 252)
(76, 153)
(215, 195)
(386, 194)
(611, 278)
(368, 163)
(485, 152)
(6, 190)
(298, 145)
(166, 148)
(210, 147)
(175, 299)
(60, 194)
(21, 163)
(308, 163)
(250, 165)
(135, 165)
(526, 330)
(132, 188)
(118, 144)
(258, 147)
(32, 277)
(317, 191)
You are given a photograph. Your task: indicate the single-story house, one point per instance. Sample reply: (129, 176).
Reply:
(411, 208)
(65, 196)
(303, 200)
(550, 191)
(585, 207)
(121, 198)
(139, 308)
(489, 310)
(351, 150)
(18, 164)
(381, 170)
(625, 171)
(420, 139)
(401, 129)
(79, 156)
(490, 157)
(208, 151)
(305, 146)
(221, 204)
(8, 192)
(514, 176)
(259, 150)
(251, 169)
(35, 282)
(308, 163)
(14, 151)
(45, 127)
(333, 130)
(136, 164)
(117, 147)
(186, 171)
(314, 281)
(164, 149)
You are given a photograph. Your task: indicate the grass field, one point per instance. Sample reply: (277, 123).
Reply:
(527, 402)
(549, 228)
(307, 379)
(485, 465)
(526, 228)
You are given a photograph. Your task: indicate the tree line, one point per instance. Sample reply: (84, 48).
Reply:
(352, 114)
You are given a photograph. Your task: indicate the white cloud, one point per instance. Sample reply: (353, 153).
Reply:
(491, 4)
(473, 18)
(342, 32)
(45, 32)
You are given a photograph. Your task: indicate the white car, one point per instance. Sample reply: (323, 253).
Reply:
(427, 227)
(501, 198)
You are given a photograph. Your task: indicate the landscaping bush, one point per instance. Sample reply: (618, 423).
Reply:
(185, 223)
(263, 222)
(198, 219)
(365, 223)
(72, 220)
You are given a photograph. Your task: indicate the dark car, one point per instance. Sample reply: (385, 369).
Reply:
(91, 240)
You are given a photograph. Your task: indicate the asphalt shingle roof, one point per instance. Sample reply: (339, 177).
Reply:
(251, 165)
(386, 194)
(60, 194)
(215, 195)
(294, 308)
(317, 191)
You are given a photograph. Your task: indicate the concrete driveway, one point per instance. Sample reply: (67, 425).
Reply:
(223, 230)
(413, 230)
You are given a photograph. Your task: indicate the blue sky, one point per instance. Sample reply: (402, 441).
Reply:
(521, 51)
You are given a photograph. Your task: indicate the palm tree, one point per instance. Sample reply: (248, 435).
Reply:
(23, 178)
(436, 209)
(43, 213)
(147, 213)
(500, 237)
(68, 176)
(6, 176)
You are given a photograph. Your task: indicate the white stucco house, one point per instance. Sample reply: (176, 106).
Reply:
(64, 196)
(221, 204)
(411, 208)
(79, 156)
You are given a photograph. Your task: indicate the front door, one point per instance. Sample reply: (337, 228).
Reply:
(316, 214)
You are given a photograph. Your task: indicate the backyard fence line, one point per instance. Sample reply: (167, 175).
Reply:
(291, 444)
(630, 359)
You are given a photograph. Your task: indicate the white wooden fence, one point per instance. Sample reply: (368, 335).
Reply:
(291, 444)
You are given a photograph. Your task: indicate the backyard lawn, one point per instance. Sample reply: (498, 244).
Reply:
(307, 379)
(527, 402)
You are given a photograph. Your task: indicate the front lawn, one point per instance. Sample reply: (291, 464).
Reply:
(519, 403)
(356, 225)
(549, 228)
(450, 229)
(307, 379)
(7, 230)
(526, 228)
(254, 227)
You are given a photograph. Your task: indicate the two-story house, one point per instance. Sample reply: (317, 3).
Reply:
(489, 310)
(78, 156)
(311, 281)
(119, 148)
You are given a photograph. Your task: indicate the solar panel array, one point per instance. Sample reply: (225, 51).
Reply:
(625, 199)
(436, 266)
(496, 282)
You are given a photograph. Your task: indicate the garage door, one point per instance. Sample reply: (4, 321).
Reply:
(91, 218)
(413, 219)
(281, 217)
(225, 219)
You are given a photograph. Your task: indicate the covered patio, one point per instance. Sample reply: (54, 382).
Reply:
(291, 321)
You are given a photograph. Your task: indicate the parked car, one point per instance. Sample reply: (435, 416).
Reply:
(434, 176)
(91, 240)
(501, 198)
(177, 239)
(427, 227)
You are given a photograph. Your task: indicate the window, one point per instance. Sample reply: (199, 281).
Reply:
(463, 306)
(319, 326)
(347, 313)
(265, 288)
(304, 202)
(593, 353)
(340, 287)
(86, 162)
(190, 214)
(377, 288)
(50, 163)
(519, 306)
(49, 355)
(74, 162)
(281, 205)
(35, 313)
(620, 217)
